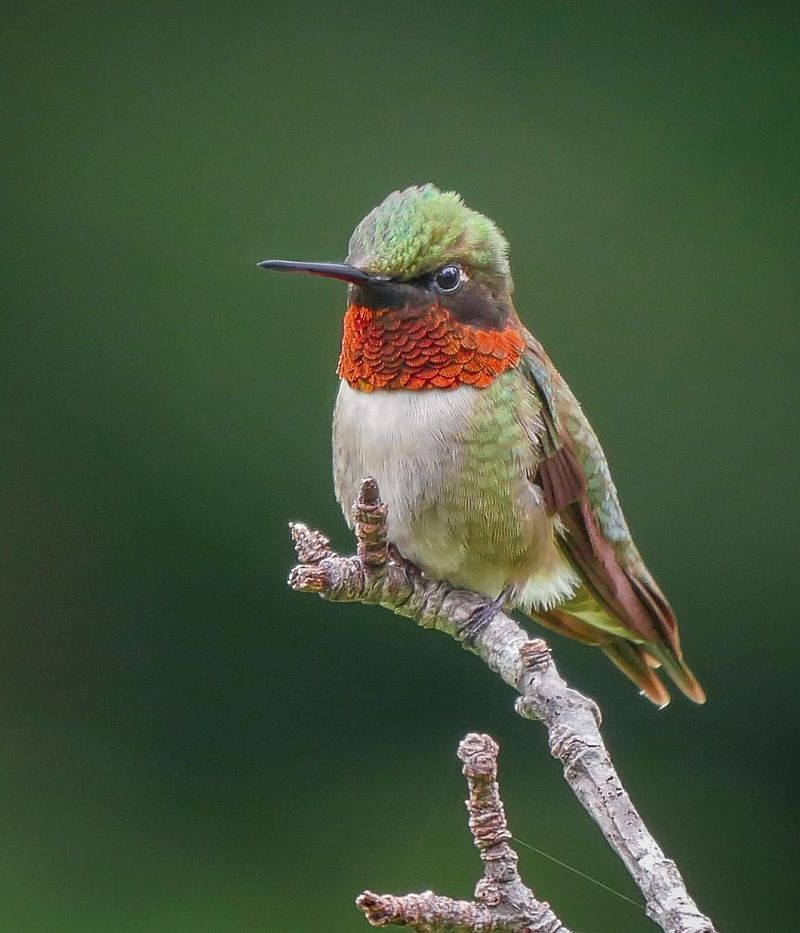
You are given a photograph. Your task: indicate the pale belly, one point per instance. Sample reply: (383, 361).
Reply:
(455, 478)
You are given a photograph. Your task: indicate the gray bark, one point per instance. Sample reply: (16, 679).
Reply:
(376, 575)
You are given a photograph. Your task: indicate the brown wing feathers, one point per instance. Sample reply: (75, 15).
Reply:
(561, 479)
(596, 561)
(563, 485)
(635, 601)
(639, 606)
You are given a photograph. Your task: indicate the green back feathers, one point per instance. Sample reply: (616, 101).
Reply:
(416, 231)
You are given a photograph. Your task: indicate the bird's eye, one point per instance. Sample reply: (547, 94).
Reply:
(448, 278)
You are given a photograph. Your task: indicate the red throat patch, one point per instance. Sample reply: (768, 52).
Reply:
(382, 349)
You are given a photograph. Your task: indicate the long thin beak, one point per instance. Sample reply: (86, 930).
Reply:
(331, 270)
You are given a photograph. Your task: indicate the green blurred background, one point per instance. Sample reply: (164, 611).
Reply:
(185, 745)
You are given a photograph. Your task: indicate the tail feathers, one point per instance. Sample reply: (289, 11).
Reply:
(569, 625)
(680, 672)
(638, 661)
(651, 661)
(632, 661)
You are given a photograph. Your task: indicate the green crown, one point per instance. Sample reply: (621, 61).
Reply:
(416, 231)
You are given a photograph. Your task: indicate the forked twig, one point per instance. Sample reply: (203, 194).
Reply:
(502, 901)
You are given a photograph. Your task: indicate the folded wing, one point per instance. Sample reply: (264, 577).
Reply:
(619, 606)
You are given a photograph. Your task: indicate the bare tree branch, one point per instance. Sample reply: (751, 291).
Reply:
(377, 576)
(502, 901)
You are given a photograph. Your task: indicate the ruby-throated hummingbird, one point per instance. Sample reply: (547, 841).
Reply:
(494, 478)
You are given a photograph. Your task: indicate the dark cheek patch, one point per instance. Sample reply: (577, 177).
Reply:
(476, 306)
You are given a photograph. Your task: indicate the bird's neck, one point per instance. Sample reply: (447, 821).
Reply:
(394, 349)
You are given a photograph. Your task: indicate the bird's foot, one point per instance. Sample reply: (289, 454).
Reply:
(480, 618)
(397, 558)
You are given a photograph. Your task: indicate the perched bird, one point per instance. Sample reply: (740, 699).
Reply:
(493, 476)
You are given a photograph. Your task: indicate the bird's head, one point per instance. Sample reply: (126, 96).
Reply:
(429, 298)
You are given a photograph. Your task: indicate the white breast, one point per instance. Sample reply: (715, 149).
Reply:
(408, 441)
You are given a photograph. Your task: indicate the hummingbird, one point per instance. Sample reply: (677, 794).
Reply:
(494, 479)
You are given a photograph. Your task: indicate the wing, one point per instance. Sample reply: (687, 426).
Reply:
(622, 600)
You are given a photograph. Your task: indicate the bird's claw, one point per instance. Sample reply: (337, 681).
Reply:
(480, 619)
(396, 557)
